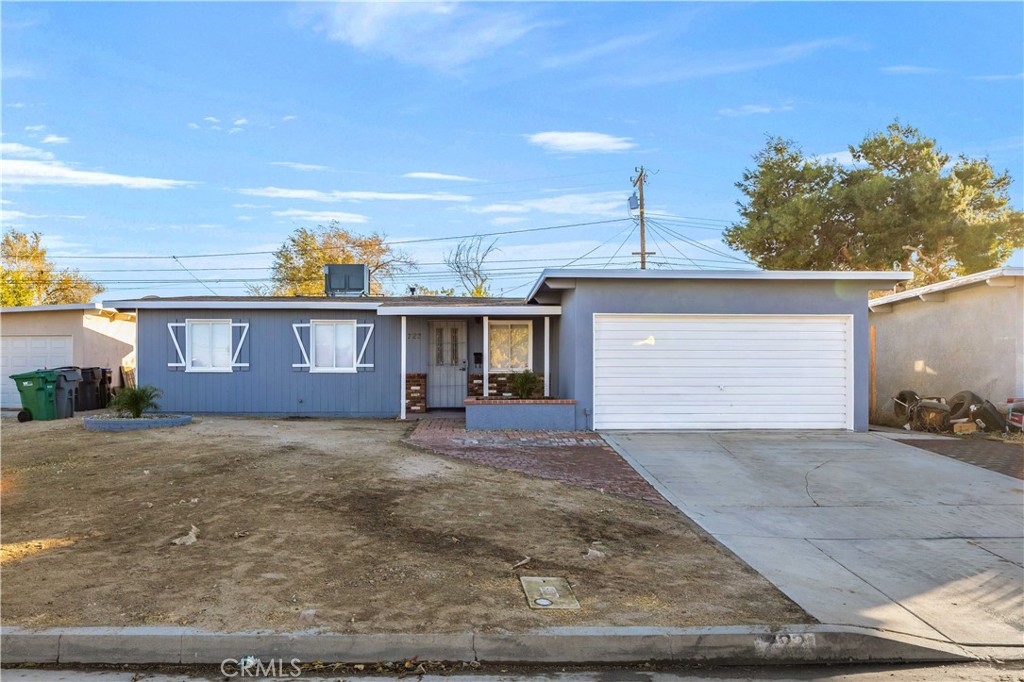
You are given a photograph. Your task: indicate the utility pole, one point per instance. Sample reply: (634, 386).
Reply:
(639, 181)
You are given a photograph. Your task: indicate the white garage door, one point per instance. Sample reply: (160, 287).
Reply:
(26, 353)
(723, 372)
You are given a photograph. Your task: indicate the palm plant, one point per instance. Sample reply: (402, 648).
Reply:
(135, 401)
(524, 384)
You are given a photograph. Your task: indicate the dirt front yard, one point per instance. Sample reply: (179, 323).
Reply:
(339, 516)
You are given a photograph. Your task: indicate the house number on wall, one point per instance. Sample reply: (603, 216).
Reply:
(414, 336)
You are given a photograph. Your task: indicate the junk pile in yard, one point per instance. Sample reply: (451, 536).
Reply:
(964, 412)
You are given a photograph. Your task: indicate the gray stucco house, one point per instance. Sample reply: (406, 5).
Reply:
(619, 349)
(966, 333)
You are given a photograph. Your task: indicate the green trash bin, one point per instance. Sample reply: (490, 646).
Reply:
(38, 391)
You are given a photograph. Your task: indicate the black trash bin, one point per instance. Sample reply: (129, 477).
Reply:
(68, 379)
(87, 397)
(105, 390)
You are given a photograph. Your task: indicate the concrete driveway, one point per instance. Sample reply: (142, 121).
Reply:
(855, 528)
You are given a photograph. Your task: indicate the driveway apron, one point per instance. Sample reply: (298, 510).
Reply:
(855, 528)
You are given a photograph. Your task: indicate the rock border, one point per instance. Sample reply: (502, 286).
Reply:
(102, 424)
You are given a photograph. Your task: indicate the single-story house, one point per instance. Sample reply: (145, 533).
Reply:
(47, 336)
(619, 349)
(966, 333)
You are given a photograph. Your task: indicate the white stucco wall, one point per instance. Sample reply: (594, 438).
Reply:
(973, 340)
(97, 340)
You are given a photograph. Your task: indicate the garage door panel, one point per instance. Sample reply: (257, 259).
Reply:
(681, 371)
(25, 353)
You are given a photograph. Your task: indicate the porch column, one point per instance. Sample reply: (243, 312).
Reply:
(547, 356)
(487, 357)
(401, 411)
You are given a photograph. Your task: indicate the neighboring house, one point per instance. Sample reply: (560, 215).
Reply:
(628, 349)
(965, 333)
(47, 336)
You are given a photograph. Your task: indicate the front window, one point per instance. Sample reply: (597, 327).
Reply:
(510, 345)
(208, 346)
(334, 346)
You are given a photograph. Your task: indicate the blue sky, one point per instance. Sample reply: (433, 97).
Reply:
(150, 130)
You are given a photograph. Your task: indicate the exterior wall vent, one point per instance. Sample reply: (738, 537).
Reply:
(348, 279)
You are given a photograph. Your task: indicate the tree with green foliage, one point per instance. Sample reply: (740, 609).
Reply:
(299, 263)
(28, 277)
(901, 203)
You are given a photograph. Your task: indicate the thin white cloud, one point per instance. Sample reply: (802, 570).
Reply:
(250, 205)
(751, 109)
(909, 70)
(592, 204)
(726, 63)
(245, 218)
(194, 126)
(235, 130)
(506, 220)
(54, 139)
(427, 175)
(35, 128)
(16, 105)
(321, 216)
(500, 208)
(443, 36)
(211, 119)
(241, 121)
(336, 195)
(25, 172)
(294, 165)
(580, 142)
(285, 119)
(23, 151)
(19, 216)
(999, 77)
(601, 49)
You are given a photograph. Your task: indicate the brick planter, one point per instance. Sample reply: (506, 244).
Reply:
(520, 415)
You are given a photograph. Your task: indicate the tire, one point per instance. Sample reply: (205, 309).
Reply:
(961, 403)
(902, 403)
(24, 416)
(988, 415)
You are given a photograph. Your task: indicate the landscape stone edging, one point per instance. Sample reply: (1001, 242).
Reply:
(726, 645)
(103, 424)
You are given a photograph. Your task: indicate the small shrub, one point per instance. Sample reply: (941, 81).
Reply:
(524, 384)
(135, 401)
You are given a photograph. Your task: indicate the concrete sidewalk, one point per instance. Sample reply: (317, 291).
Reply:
(855, 528)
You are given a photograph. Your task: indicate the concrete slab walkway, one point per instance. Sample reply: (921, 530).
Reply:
(857, 529)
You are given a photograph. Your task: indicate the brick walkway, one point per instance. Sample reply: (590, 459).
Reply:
(577, 458)
(1006, 458)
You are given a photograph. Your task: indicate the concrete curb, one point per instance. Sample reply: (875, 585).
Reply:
(570, 645)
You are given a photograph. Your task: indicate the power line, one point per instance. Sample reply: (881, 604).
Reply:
(194, 277)
(395, 242)
(697, 244)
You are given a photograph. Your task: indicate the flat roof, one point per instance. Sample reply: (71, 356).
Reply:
(954, 283)
(386, 305)
(881, 277)
(51, 308)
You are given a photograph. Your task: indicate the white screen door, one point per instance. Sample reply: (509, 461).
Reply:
(446, 364)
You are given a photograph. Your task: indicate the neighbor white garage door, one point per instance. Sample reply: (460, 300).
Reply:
(723, 372)
(25, 353)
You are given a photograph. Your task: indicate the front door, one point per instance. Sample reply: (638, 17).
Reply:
(446, 364)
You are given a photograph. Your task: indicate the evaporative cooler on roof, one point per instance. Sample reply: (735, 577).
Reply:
(346, 279)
